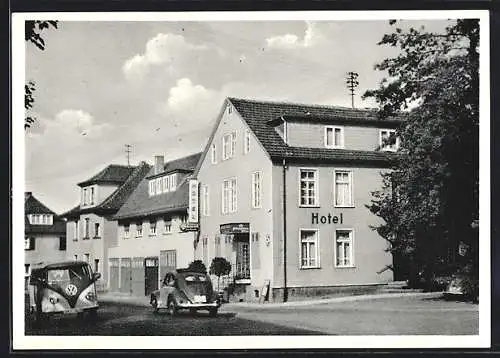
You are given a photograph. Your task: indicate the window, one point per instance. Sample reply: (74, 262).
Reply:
(97, 230)
(26, 269)
(388, 140)
(126, 231)
(256, 190)
(246, 142)
(139, 229)
(152, 227)
(62, 243)
(229, 196)
(96, 265)
(343, 248)
(75, 238)
(152, 188)
(87, 228)
(205, 202)
(184, 219)
(29, 243)
(309, 249)
(309, 187)
(214, 154)
(87, 258)
(205, 250)
(171, 258)
(164, 184)
(228, 145)
(343, 188)
(91, 196)
(158, 185)
(40, 219)
(167, 229)
(217, 246)
(173, 182)
(334, 137)
(75, 257)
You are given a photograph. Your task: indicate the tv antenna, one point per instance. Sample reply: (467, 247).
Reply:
(352, 84)
(127, 150)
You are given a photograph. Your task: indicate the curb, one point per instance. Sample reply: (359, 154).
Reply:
(137, 301)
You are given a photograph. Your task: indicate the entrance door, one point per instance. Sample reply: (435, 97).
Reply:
(126, 275)
(150, 275)
(138, 276)
(242, 257)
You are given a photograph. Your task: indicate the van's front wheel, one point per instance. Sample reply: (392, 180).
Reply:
(92, 313)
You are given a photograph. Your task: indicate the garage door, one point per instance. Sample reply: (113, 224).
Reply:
(126, 275)
(138, 276)
(114, 274)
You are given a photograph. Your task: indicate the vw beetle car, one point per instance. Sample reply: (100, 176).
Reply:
(183, 289)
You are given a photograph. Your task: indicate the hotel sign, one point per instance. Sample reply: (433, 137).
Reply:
(193, 210)
(235, 228)
(326, 219)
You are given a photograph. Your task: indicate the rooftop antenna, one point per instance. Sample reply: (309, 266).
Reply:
(127, 150)
(352, 83)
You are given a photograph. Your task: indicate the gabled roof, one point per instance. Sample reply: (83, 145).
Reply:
(33, 206)
(140, 204)
(113, 174)
(113, 202)
(262, 117)
(184, 164)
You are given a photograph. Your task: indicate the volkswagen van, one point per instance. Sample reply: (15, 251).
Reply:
(63, 288)
(185, 290)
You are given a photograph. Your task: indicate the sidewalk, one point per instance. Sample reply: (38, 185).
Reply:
(144, 301)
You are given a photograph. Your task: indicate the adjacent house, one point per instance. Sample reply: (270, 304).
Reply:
(283, 189)
(44, 234)
(153, 235)
(90, 227)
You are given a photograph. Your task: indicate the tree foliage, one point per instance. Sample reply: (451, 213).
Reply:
(220, 267)
(197, 266)
(32, 33)
(429, 199)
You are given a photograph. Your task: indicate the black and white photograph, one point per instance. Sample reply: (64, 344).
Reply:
(251, 180)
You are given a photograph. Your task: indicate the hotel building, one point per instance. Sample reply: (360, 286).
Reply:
(283, 190)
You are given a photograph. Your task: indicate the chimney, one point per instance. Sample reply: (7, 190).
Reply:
(159, 163)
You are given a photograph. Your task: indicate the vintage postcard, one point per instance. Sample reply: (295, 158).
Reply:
(291, 179)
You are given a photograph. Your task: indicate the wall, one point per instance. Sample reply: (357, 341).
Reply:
(312, 135)
(240, 167)
(369, 254)
(46, 250)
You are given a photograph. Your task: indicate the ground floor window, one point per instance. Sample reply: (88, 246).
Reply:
(27, 269)
(96, 265)
(309, 248)
(87, 258)
(344, 248)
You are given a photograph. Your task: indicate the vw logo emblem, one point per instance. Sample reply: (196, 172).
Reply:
(71, 289)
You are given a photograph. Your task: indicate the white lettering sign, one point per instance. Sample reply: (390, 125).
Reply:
(193, 201)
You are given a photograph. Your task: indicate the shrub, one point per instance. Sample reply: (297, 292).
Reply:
(197, 266)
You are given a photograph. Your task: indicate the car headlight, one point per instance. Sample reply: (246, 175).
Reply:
(53, 300)
(91, 296)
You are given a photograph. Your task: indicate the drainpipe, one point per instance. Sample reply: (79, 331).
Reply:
(285, 288)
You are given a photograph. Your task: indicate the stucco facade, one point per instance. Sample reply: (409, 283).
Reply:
(329, 239)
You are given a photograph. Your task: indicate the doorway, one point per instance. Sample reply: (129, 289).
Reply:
(150, 275)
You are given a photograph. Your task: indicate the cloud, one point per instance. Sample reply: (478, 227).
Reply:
(312, 36)
(163, 49)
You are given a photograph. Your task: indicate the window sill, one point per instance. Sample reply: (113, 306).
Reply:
(75, 240)
(167, 233)
(138, 237)
(96, 237)
(334, 147)
(345, 267)
(344, 206)
(310, 206)
(310, 267)
(85, 238)
(256, 207)
(152, 235)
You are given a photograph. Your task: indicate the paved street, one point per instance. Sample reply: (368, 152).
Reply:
(387, 316)
(116, 319)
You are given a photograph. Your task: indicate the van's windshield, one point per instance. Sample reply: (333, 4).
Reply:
(61, 277)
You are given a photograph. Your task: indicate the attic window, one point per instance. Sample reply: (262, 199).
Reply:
(162, 184)
(40, 219)
(229, 108)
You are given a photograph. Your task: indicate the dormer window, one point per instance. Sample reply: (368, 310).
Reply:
(163, 184)
(89, 196)
(388, 140)
(40, 219)
(334, 137)
(246, 142)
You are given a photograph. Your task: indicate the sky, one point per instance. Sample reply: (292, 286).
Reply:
(158, 86)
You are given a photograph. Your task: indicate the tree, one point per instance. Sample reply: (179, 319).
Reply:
(219, 267)
(32, 30)
(197, 266)
(429, 200)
